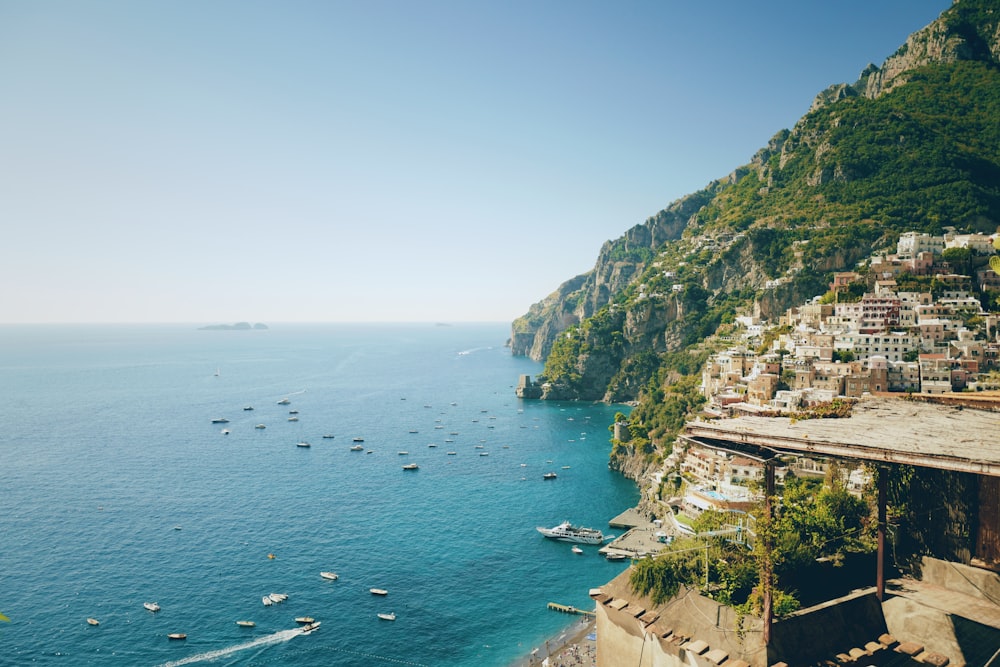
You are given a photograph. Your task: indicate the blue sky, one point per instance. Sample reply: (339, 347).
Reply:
(378, 160)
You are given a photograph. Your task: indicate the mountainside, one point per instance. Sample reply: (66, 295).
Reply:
(912, 145)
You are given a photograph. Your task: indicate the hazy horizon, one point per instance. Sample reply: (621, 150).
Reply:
(381, 161)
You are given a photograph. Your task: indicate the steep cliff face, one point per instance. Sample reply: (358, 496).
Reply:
(970, 30)
(617, 265)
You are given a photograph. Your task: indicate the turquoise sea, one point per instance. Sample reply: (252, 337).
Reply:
(117, 489)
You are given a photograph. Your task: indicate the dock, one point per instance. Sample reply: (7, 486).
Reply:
(567, 609)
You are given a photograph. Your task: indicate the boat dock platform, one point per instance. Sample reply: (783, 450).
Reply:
(567, 609)
(630, 518)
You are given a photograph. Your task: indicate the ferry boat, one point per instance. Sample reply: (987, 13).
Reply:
(570, 533)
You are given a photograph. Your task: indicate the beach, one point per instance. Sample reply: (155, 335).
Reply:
(575, 645)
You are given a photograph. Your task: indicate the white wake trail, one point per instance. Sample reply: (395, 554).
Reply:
(276, 638)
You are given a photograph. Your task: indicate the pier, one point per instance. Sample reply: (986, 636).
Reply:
(568, 609)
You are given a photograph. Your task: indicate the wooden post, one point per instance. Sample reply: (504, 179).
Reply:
(880, 563)
(767, 571)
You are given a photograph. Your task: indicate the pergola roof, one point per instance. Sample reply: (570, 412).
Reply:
(897, 431)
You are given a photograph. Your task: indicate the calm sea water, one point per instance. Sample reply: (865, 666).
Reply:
(116, 489)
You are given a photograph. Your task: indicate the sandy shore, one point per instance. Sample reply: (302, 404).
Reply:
(570, 648)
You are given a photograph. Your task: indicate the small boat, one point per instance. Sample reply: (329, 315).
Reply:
(225, 431)
(404, 453)
(267, 601)
(414, 431)
(357, 448)
(549, 475)
(278, 597)
(293, 419)
(329, 437)
(93, 621)
(411, 466)
(391, 616)
(332, 576)
(305, 620)
(248, 407)
(284, 401)
(433, 444)
(359, 440)
(220, 420)
(293, 412)
(616, 557)
(577, 550)
(303, 444)
(151, 606)
(260, 426)
(312, 627)
(177, 635)
(565, 467)
(484, 453)
(245, 624)
(378, 591)
(452, 453)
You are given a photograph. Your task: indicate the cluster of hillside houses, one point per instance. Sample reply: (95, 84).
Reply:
(889, 341)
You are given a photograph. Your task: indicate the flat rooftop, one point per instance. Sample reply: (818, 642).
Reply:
(890, 430)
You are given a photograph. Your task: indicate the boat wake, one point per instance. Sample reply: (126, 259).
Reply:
(475, 349)
(276, 638)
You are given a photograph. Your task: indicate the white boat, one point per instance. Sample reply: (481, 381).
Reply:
(220, 420)
(284, 401)
(357, 448)
(332, 576)
(549, 475)
(391, 616)
(312, 627)
(303, 444)
(305, 620)
(411, 466)
(151, 606)
(267, 601)
(577, 550)
(93, 621)
(404, 453)
(293, 419)
(177, 635)
(260, 426)
(378, 591)
(570, 533)
(278, 597)
(245, 624)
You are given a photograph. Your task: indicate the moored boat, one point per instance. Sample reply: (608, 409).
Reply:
(267, 601)
(303, 444)
(177, 635)
(277, 597)
(411, 466)
(577, 550)
(284, 401)
(391, 616)
(305, 620)
(245, 624)
(378, 591)
(93, 621)
(151, 606)
(332, 576)
(357, 448)
(570, 533)
(220, 420)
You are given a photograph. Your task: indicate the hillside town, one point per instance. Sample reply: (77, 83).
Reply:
(869, 335)
(889, 339)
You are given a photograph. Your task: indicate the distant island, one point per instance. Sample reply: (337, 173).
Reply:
(239, 326)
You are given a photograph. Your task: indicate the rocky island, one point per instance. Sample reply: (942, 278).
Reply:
(239, 326)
